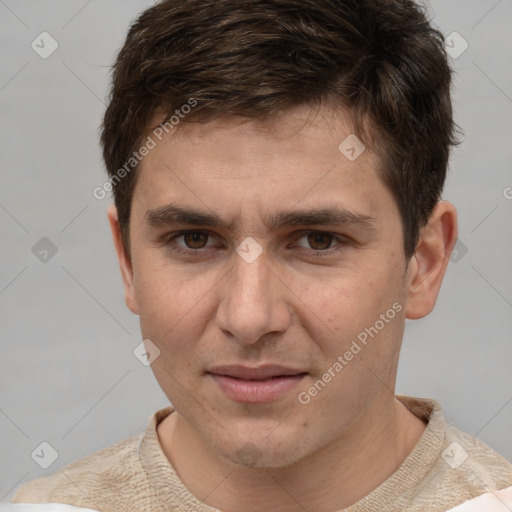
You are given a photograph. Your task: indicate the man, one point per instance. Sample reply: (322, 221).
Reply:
(277, 168)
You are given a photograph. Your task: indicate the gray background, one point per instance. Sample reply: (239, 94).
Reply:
(68, 375)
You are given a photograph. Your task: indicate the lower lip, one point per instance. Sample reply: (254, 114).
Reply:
(257, 391)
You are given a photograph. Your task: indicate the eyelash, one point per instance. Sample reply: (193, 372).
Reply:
(342, 242)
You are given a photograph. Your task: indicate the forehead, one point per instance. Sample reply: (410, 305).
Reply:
(301, 122)
(229, 145)
(230, 164)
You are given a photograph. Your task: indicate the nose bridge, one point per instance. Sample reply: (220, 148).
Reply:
(252, 305)
(250, 280)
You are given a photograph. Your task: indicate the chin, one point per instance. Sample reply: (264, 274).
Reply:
(260, 453)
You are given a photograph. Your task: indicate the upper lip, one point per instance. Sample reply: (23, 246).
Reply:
(254, 373)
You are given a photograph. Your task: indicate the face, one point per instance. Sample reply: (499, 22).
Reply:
(268, 269)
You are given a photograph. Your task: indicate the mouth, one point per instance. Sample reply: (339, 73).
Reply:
(256, 385)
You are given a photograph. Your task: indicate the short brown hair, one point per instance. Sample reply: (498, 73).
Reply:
(381, 60)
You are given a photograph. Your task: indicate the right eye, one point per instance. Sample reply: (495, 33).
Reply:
(192, 240)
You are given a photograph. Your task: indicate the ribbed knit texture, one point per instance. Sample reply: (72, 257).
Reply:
(134, 475)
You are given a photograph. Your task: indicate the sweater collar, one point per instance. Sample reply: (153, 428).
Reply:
(172, 493)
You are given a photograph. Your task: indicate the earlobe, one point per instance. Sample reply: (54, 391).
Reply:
(428, 264)
(125, 263)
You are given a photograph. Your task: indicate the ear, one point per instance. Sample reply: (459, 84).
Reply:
(428, 264)
(125, 263)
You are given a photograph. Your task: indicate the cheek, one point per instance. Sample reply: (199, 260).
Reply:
(348, 311)
(168, 294)
(348, 300)
(176, 307)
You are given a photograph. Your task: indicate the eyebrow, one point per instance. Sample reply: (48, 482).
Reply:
(173, 214)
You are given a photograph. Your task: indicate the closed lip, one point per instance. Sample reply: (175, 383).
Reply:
(255, 373)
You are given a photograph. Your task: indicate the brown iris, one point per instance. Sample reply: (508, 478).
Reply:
(314, 238)
(195, 238)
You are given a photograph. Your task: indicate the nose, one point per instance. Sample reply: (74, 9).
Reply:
(254, 301)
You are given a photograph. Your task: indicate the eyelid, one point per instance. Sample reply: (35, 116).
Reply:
(177, 234)
(341, 239)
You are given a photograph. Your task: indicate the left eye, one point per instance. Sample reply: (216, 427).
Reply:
(321, 240)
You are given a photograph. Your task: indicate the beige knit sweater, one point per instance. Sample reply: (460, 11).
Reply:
(445, 468)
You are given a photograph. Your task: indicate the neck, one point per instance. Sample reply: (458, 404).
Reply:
(332, 478)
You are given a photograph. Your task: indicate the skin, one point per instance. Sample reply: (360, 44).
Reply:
(291, 306)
